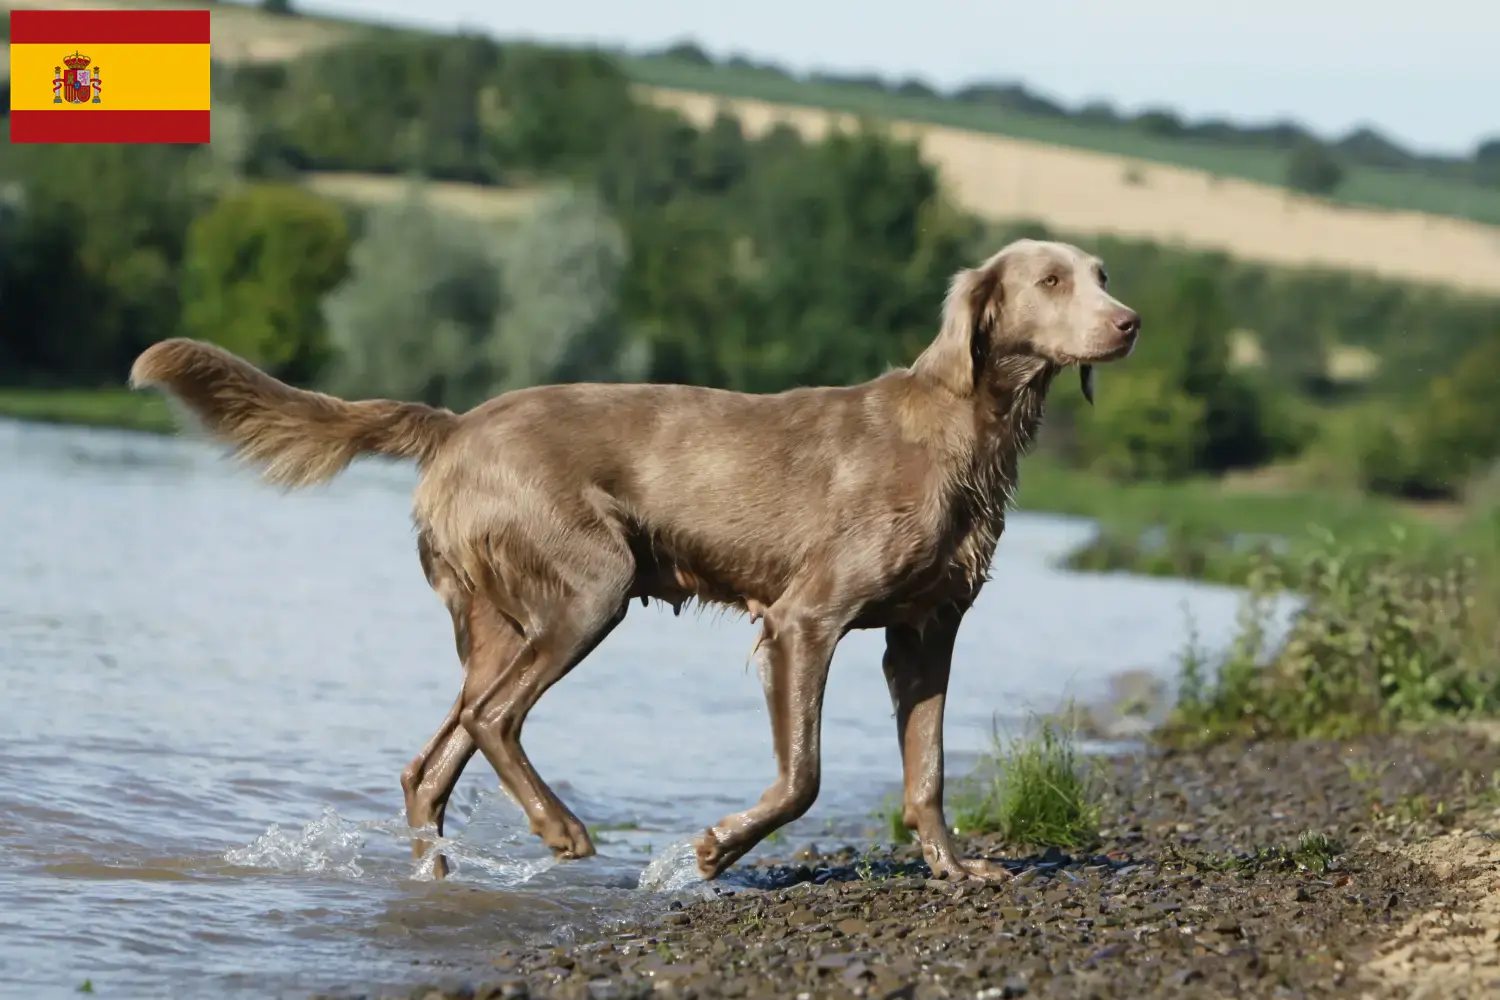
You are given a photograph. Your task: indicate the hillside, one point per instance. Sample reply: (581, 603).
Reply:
(1063, 174)
(1088, 192)
(1378, 173)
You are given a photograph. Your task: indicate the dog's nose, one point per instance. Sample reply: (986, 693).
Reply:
(1128, 322)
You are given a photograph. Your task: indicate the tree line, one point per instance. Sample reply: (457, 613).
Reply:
(655, 250)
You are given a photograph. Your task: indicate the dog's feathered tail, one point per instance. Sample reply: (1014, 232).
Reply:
(298, 438)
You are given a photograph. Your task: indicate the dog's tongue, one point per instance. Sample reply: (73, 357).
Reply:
(1086, 380)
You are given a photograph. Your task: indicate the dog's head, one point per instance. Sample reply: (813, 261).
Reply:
(1035, 299)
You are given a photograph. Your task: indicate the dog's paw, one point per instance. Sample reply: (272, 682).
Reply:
(711, 859)
(973, 870)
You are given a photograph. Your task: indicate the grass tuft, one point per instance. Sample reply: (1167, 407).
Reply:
(1034, 790)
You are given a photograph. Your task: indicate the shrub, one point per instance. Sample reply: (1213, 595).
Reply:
(1386, 637)
(1313, 169)
(1142, 427)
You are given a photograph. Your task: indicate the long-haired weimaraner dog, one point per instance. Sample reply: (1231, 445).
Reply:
(541, 513)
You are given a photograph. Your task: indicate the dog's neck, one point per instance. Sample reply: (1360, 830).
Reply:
(1008, 403)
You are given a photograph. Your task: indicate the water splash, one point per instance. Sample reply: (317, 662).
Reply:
(495, 842)
(329, 843)
(674, 869)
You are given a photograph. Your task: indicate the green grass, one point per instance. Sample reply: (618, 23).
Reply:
(1367, 186)
(1203, 505)
(1035, 790)
(121, 408)
(1315, 852)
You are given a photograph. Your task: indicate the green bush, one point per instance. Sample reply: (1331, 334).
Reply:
(1385, 638)
(256, 268)
(1313, 169)
(1448, 432)
(1142, 427)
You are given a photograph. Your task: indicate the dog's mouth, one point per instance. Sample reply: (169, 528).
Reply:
(1123, 347)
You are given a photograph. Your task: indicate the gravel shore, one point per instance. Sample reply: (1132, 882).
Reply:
(1310, 869)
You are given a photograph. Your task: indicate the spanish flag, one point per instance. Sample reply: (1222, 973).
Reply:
(109, 76)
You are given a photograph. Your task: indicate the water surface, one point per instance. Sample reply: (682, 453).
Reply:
(208, 690)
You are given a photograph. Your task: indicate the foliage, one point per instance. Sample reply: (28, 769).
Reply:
(1312, 169)
(1383, 639)
(1034, 791)
(92, 276)
(255, 270)
(1143, 428)
(451, 312)
(421, 297)
(1448, 433)
(559, 322)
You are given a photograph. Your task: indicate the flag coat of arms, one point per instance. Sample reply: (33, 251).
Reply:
(109, 76)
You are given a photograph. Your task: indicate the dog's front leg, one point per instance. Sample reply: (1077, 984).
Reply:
(916, 668)
(793, 654)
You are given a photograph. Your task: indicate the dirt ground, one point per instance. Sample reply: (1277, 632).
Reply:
(1212, 881)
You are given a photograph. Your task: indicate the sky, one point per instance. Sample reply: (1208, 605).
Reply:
(1423, 73)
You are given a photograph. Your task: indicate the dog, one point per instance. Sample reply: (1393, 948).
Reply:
(542, 513)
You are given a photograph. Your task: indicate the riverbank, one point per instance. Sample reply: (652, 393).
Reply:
(1307, 869)
(119, 409)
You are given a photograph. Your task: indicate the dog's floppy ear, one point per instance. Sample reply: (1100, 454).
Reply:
(957, 356)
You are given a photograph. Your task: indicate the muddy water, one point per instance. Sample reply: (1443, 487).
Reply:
(208, 689)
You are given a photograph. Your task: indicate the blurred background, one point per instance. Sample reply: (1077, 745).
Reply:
(411, 202)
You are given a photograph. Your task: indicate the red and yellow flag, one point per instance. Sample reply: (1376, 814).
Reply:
(109, 76)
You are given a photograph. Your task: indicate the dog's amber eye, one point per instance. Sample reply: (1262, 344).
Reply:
(1050, 281)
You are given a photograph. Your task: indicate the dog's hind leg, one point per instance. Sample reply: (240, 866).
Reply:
(793, 655)
(429, 779)
(568, 628)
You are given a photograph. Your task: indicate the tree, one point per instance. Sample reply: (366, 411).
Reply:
(1312, 169)
(97, 241)
(410, 320)
(850, 248)
(1487, 161)
(450, 312)
(559, 319)
(256, 268)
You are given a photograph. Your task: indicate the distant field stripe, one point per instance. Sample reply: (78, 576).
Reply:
(110, 126)
(132, 77)
(103, 27)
